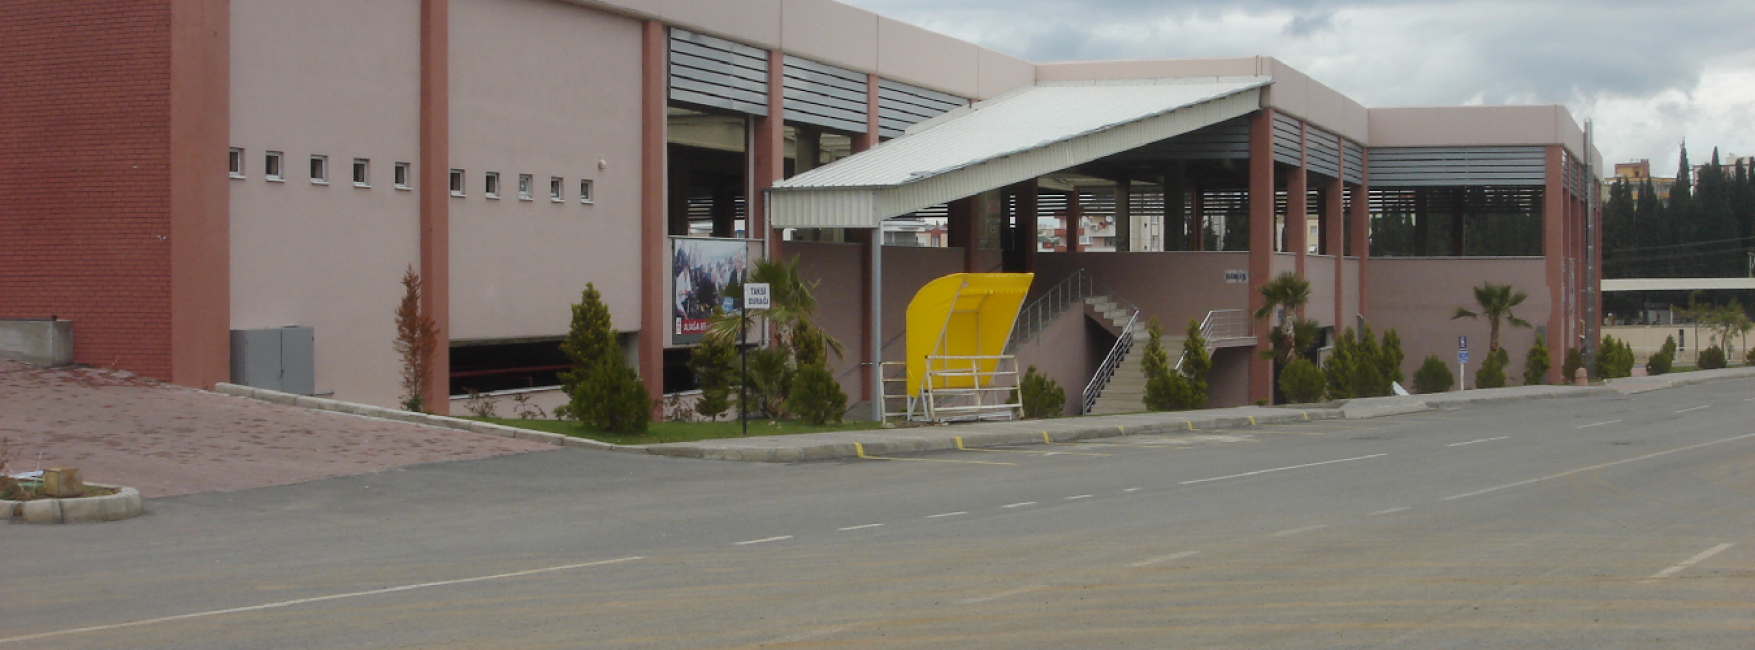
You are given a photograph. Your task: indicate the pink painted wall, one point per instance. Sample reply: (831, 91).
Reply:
(837, 268)
(555, 101)
(338, 78)
(1320, 271)
(1418, 296)
(1171, 286)
(1228, 382)
(1063, 353)
(1350, 300)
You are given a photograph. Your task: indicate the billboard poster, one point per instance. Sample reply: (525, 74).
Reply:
(701, 269)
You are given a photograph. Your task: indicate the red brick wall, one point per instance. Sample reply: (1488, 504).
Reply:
(85, 177)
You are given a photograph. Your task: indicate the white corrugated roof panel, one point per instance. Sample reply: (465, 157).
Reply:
(1014, 137)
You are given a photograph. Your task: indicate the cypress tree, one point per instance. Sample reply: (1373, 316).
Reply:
(1652, 230)
(1619, 230)
(605, 393)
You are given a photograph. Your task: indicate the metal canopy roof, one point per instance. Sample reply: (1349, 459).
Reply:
(1023, 134)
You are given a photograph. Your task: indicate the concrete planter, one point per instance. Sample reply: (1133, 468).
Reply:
(124, 504)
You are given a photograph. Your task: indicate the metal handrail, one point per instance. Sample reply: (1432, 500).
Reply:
(1070, 292)
(1230, 322)
(1123, 345)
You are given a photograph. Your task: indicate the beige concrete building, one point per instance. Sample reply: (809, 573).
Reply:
(512, 151)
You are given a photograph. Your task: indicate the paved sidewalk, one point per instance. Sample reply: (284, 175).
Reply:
(167, 440)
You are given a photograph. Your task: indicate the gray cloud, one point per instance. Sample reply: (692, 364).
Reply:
(1583, 53)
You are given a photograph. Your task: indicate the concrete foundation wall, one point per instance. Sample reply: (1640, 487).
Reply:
(1350, 298)
(1228, 382)
(43, 343)
(1063, 353)
(1417, 297)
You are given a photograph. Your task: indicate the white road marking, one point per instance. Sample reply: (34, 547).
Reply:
(947, 514)
(317, 599)
(763, 540)
(1003, 594)
(1688, 563)
(1161, 560)
(1598, 424)
(1131, 490)
(1695, 408)
(1082, 496)
(1281, 469)
(1597, 467)
(1295, 531)
(1019, 505)
(1389, 511)
(806, 635)
(859, 527)
(1459, 444)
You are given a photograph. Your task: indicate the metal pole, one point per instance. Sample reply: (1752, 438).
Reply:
(743, 385)
(877, 324)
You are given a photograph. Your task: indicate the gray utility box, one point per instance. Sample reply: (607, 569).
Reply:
(276, 359)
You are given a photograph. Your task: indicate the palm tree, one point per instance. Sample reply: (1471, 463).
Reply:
(1496, 301)
(792, 307)
(1287, 291)
(1285, 294)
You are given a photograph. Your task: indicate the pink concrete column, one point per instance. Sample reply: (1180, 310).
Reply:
(1554, 254)
(199, 194)
(1261, 244)
(435, 194)
(870, 242)
(654, 226)
(960, 230)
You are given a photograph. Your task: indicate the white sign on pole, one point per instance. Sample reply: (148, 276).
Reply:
(755, 296)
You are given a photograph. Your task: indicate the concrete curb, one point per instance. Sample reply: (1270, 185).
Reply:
(124, 504)
(367, 410)
(881, 442)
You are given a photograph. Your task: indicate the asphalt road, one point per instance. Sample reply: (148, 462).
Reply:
(1602, 522)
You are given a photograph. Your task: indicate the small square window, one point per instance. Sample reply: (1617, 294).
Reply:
(271, 169)
(403, 180)
(524, 187)
(320, 170)
(456, 182)
(554, 188)
(235, 162)
(492, 190)
(362, 172)
(585, 187)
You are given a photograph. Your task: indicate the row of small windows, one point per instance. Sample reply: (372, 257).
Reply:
(274, 169)
(526, 187)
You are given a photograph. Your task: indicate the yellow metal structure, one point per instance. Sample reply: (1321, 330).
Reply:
(962, 315)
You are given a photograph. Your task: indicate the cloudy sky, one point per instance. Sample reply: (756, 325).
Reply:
(1648, 73)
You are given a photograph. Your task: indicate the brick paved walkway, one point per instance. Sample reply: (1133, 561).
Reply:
(168, 440)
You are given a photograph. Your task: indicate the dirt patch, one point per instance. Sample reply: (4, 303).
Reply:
(166, 440)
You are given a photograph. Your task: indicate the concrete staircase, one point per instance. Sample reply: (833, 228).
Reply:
(1126, 390)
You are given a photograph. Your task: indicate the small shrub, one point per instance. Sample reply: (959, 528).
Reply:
(712, 361)
(1390, 359)
(1301, 381)
(1535, 366)
(1341, 365)
(479, 405)
(1492, 371)
(1433, 376)
(1573, 362)
(605, 394)
(1043, 397)
(816, 397)
(417, 338)
(1665, 358)
(1614, 359)
(1711, 358)
(1195, 365)
(1155, 364)
(1749, 359)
